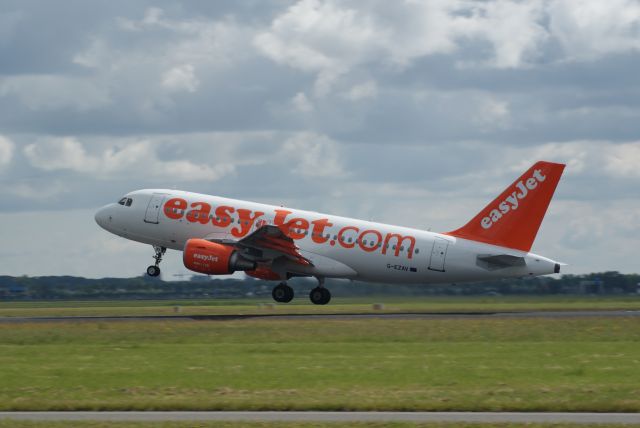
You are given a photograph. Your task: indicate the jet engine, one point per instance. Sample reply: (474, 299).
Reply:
(211, 258)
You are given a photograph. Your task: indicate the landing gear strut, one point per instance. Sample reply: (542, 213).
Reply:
(282, 293)
(320, 295)
(154, 270)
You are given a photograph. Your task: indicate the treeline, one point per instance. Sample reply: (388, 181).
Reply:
(69, 287)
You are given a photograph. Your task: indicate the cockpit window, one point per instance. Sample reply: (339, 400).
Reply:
(129, 202)
(126, 202)
(122, 201)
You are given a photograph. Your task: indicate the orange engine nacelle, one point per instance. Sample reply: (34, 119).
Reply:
(211, 258)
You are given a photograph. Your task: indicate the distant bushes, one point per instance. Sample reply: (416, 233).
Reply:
(69, 287)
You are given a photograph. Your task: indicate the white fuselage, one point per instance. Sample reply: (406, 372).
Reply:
(338, 247)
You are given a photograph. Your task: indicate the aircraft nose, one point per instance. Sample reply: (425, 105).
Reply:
(102, 217)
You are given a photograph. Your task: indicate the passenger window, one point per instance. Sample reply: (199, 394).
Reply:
(417, 250)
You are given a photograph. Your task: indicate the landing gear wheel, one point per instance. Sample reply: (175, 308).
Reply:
(320, 296)
(282, 293)
(153, 270)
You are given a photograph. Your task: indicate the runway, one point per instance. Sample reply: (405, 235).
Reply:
(489, 417)
(334, 316)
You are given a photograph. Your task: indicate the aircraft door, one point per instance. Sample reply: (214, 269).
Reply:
(153, 209)
(438, 254)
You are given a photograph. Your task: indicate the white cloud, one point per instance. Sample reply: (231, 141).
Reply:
(492, 113)
(591, 28)
(180, 78)
(331, 38)
(215, 43)
(164, 57)
(513, 28)
(301, 103)
(365, 90)
(50, 92)
(6, 150)
(133, 160)
(36, 191)
(623, 160)
(96, 55)
(313, 155)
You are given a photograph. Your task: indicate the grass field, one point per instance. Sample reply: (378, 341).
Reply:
(582, 364)
(302, 305)
(21, 424)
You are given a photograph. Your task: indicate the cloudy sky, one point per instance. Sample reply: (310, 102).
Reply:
(407, 112)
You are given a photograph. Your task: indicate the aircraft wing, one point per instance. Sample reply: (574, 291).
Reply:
(269, 242)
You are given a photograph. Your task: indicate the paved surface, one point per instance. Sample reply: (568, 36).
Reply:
(347, 316)
(591, 418)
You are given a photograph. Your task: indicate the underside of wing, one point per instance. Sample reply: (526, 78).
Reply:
(267, 243)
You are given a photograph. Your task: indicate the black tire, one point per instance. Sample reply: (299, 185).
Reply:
(153, 270)
(282, 293)
(320, 296)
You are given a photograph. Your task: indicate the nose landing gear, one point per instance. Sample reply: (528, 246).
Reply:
(154, 270)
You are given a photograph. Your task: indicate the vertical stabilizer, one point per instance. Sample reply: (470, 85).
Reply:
(512, 220)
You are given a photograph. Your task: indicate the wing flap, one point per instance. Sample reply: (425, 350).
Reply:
(273, 239)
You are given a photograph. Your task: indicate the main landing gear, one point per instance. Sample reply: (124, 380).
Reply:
(154, 270)
(320, 295)
(282, 293)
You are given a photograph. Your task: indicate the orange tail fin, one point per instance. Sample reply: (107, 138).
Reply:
(512, 220)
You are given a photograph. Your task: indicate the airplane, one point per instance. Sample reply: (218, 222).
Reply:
(219, 236)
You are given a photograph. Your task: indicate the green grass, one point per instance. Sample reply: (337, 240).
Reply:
(302, 305)
(70, 424)
(590, 364)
